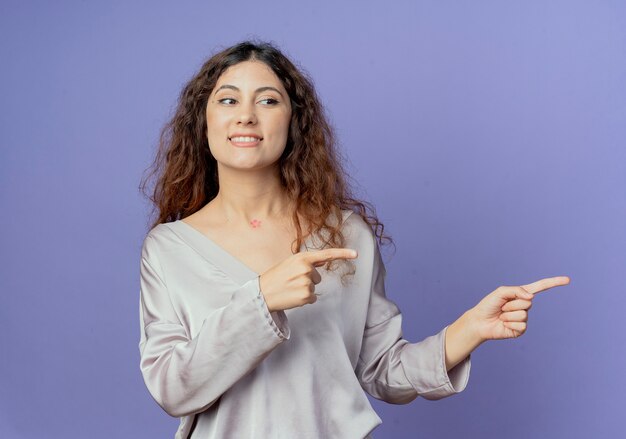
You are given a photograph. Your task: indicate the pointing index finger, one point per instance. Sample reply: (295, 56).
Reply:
(546, 284)
(320, 257)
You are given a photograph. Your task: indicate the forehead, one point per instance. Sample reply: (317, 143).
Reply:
(249, 74)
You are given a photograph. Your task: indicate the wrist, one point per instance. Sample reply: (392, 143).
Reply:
(472, 328)
(461, 339)
(268, 303)
(266, 299)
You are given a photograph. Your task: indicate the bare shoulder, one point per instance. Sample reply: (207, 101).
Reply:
(207, 217)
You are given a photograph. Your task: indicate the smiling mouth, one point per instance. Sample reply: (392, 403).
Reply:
(245, 141)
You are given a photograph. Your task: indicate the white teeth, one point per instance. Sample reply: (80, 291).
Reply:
(244, 139)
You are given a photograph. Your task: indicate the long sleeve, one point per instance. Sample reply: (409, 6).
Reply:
(186, 375)
(391, 368)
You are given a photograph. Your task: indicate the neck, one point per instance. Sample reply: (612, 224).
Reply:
(249, 196)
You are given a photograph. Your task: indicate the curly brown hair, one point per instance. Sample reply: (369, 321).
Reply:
(311, 168)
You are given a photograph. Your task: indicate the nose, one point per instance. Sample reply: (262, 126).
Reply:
(247, 115)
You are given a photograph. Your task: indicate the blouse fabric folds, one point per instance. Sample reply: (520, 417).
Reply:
(213, 355)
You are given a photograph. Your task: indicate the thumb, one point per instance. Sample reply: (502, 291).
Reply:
(525, 294)
(511, 293)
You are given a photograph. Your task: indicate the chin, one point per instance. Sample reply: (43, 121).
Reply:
(246, 166)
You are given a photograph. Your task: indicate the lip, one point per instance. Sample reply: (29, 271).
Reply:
(245, 144)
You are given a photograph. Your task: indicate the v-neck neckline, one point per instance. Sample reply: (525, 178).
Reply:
(218, 255)
(226, 256)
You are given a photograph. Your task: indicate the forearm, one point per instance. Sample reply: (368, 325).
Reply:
(461, 339)
(187, 375)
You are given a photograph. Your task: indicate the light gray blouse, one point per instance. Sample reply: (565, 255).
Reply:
(213, 355)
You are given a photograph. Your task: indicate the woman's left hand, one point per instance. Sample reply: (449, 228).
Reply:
(504, 312)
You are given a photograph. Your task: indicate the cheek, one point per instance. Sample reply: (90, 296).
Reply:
(284, 123)
(215, 127)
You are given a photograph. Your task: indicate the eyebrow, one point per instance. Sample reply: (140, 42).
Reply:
(258, 90)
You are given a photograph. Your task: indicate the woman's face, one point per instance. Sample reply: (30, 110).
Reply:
(248, 116)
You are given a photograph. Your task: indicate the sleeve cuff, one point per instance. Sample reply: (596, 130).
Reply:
(424, 364)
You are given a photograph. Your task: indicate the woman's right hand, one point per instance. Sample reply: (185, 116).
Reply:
(291, 283)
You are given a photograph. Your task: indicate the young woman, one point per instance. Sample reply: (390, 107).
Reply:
(263, 310)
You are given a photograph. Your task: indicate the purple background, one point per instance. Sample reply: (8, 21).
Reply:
(490, 136)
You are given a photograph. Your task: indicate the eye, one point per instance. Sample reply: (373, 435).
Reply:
(269, 101)
(227, 101)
